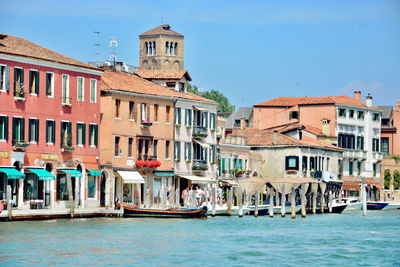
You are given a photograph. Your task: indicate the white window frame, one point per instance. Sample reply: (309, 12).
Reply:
(3, 140)
(67, 89)
(80, 123)
(54, 125)
(34, 131)
(77, 88)
(95, 91)
(29, 85)
(52, 85)
(3, 77)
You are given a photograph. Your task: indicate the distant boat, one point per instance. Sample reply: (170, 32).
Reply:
(264, 209)
(392, 206)
(336, 208)
(353, 204)
(376, 205)
(222, 210)
(192, 212)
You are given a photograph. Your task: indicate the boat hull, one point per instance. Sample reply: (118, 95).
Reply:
(392, 206)
(223, 210)
(264, 209)
(353, 207)
(195, 212)
(376, 205)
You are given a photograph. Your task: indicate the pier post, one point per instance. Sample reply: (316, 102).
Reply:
(314, 203)
(213, 200)
(293, 202)
(364, 197)
(9, 202)
(240, 193)
(303, 200)
(330, 201)
(271, 202)
(262, 197)
(283, 200)
(256, 204)
(229, 196)
(70, 196)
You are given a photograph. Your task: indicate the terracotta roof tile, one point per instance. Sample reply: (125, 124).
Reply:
(164, 29)
(21, 47)
(123, 81)
(163, 74)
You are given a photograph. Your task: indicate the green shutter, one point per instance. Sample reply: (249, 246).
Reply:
(15, 86)
(206, 115)
(241, 164)
(77, 133)
(186, 117)
(47, 131)
(222, 164)
(90, 134)
(215, 121)
(37, 83)
(37, 131)
(7, 78)
(69, 133)
(190, 117)
(30, 80)
(84, 134)
(190, 151)
(96, 133)
(22, 77)
(14, 131)
(30, 130)
(62, 133)
(22, 129)
(6, 128)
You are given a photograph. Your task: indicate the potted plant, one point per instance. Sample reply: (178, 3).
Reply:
(147, 123)
(178, 126)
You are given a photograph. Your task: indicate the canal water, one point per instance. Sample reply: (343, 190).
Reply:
(319, 240)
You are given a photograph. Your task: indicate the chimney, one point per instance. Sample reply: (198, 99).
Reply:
(398, 105)
(368, 100)
(357, 95)
(275, 142)
(242, 124)
(118, 66)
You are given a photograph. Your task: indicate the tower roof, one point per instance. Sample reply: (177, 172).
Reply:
(164, 29)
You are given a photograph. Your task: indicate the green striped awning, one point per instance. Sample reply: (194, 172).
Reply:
(12, 173)
(42, 173)
(93, 172)
(73, 172)
(164, 173)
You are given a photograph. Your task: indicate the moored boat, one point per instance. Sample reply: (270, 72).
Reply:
(353, 204)
(222, 210)
(192, 212)
(376, 205)
(264, 209)
(392, 206)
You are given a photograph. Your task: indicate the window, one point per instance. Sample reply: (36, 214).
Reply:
(140, 148)
(33, 188)
(374, 170)
(358, 168)
(212, 121)
(360, 115)
(167, 48)
(130, 142)
(212, 155)
(342, 112)
(144, 112)
(62, 188)
(167, 149)
(375, 144)
(155, 112)
(177, 150)
(351, 113)
(170, 84)
(4, 78)
(33, 82)
(293, 115)
(116, 147)
(181, 87)
(384, 145)
(327, 164)
(155, 142)
(49, 84)
(80, 89)
(360, 142)
(18, 130)
(304, 163)
(178, 116)
(91, 184)
(93, 134)
(65, 89)
(188, 151)
(350, 168)
(167, 112)
(236, 123)
(204, 119)
(346, 141)
(292, 163)
(188, 117)
(50, 131)
(146, 149)
(33, 130)
(222, 169)
(132, 111)
(340, 164)
(117, 105)
(3, 128)
(80, 134)
(18, 82)
(376, 117)
(66, 134)
(93, 84)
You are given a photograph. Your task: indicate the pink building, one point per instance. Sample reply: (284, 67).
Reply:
(49, 117)
(390, 134)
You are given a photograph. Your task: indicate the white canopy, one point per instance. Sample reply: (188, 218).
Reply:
(202, 144)
(199, 179)
(131, 177)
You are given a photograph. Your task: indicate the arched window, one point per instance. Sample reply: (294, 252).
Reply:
(166, 48)
(171, 49)
(147, 49)
(154, 48)
(176, 49)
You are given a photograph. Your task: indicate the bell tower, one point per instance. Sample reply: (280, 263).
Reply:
(161, 48)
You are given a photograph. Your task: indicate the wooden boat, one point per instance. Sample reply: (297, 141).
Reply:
(193, 212)
(375, 205)
(336, 208)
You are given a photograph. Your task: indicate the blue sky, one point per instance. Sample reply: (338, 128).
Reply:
(251, 51)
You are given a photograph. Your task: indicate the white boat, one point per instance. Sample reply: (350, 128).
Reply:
(222, 210)
(264, 209)
(392, 206)
(353, 204)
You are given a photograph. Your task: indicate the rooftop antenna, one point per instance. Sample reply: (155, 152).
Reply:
(98, 47)
(113, 46)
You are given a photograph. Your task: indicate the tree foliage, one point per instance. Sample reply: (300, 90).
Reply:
(396, 179)
(387, 178)
(223, 102)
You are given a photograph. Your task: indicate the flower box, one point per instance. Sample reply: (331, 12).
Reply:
(147, 123)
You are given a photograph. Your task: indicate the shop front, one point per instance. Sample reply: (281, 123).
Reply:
(37, 187)
(10, 176)
(92, 188)
(62, 194)
(131, 184)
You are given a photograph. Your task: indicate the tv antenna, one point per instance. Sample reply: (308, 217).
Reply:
(113, 46)
(98, 47)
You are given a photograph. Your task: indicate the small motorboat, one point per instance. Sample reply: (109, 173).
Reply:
(264, 209)
(222, 210)
(353, 204)
(376, 205)
(337, 207)
(392, 206)
(192, 212)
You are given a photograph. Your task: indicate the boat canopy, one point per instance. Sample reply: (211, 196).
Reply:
(130, 177)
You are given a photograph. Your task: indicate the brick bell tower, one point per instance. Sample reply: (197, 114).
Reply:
(161, 48)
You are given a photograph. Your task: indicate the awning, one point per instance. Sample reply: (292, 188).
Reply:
(42, 173)
(12, 173)
(351, 186)
(199, 108)
(164, 173)
(203, 145)
(130, 177)
(93, 172)
(199, 179)
(73, 172)
(230, 182)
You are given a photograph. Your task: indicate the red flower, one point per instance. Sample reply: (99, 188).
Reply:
(139, 163)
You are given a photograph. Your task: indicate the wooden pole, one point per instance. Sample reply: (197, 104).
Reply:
(9, 202)
(293, 202)
(213, 199)
(283, 201)
(322, 202)
(330, 201)
(314, 203)
(271, 202)
(262, 197)
(229, 200)
(364, 197)
(240, 200)
(303, 200)
(256, 204)
(70, 196)
(237, 197)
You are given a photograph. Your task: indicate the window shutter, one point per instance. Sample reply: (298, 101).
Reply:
(30, 81)
(53, 138)
(22, 129)
(47, 83)
(205, 154)
(190, 151)
(134, 112)
(14, 132)
(84, 134)
(7, 78)
(15, 84)
(6, 128)
(297, 163)
(190, 117)
(148, 112)
(186, 117)
(206, 115)
(77, 133)
(22, 76)
(62, 134)
(69, 133)
(47, 131)
(175, 115)
(37, 131)
(96, 133)
(286, 163)
(214, 121)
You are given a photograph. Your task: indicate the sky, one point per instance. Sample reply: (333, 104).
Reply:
(251, 51)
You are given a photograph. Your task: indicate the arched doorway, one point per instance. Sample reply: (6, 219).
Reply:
(47, 196)
(14, 183)
(103, 189)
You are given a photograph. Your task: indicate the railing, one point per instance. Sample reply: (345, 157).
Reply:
(199, 132)
(354, 154)
(66, 101)
(199, 165)
(19, 144)
(146, 157)
(378, 156)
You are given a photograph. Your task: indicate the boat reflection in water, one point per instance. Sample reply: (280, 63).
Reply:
(192, 212)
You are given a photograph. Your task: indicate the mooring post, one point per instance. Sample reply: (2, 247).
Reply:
(229, 196)
(240, 196)
(293, 202)
(364, 197)
(330, 201)
(303, 200)
(314, 203)
(213, 200)
(271, 202)
(70, 196)
(322, 201)
(9, 202)
(283, 200)
(256, 204)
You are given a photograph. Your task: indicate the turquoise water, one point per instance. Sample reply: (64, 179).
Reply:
(319, 240)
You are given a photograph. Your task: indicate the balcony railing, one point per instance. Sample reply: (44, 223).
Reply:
(378, 156)
(199, 165)
(19, 144)
(66, 101)
(354, 154)
(199, 132)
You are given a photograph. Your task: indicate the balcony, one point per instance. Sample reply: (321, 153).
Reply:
(147, 162)
(354, 154)
(67, 148)
(378, 156)
(199, 165)
(19, 144)
(147, 123)
(199, 132)
(66, 101)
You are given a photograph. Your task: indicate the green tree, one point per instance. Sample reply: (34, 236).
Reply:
(223, 102)
(396, 179)
(387, 178)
